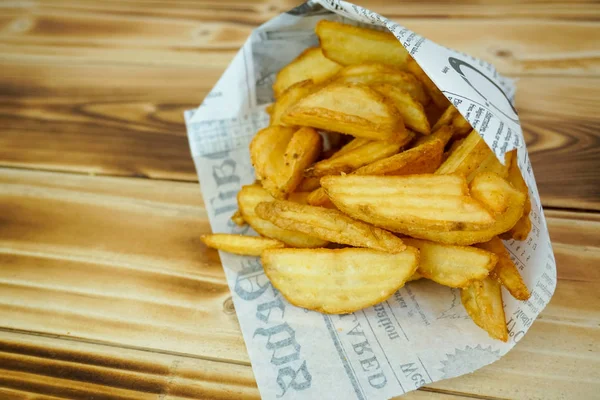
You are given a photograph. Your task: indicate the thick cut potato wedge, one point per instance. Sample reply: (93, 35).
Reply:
(446, 118)
(411, 111)
(280, 159)
(346, 108)
(347, 44)
(443, 134)
(436, 95)
(240, 244)
(422, 159)
(467, 157)
(319, 198)
(397, 203)
(311, 64)
(248, 198)
(492, 164)
(523, 226)
(290, 97)
(453, 266)
(460, 125)
(375, 74)
(338, 281)
(299, 197)
(309, 184)
(506, 271)
(483, 302)
(498, 196)
(363, 155)
(238, 219)
(330, 225)
(415, 277)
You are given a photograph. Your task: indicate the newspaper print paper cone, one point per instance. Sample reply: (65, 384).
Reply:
(420, 335)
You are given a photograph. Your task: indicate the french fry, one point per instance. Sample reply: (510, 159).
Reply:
(311, 64)
(290, 97)
(281, 174)
(492, 164)
(240, 244)
(309, 184)
(498, 196)
(375, 74)
(436, 95)
(446, 118)
(299, 197)
(415, 277)
(363, 113)
(467, 157)
(237, 218)
(411, 111)
(523, 226)
(319, 198)
(422, 159)
(401, 203)
(347, 44)
(453, 266)
(506, 271)
(338, 281)
(483, 302)
(330, 225)
(460, 125)
(443, 134)
(363, 155)
(248, 198)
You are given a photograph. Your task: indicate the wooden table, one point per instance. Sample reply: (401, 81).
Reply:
(105, 288)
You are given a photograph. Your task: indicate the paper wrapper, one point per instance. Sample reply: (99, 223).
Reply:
(421, 334)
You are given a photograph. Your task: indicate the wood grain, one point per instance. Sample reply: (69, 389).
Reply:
(118, 261)
(121, 35)
(138, 129)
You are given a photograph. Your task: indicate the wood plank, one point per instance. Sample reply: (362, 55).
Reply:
(118, 261)
(81, 34)
(69, 120)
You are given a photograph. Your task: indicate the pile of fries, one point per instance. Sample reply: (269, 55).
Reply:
(404, 190)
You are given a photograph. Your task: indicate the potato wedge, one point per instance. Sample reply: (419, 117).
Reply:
(363, 155)
(238, 219)
(374, 74)
(492, 164)
(506, 271)
(498, 196)
(422, 159)
(248, 198)
(483, 302)
(523, 226)
(319, 198)
(330, 225)
(336, 281)
(348, 44)
(443, 134)
(311, 64)
(453, 266)
(240, 244)
(415, 277)
(436, 95)
(397, 203)
(411, 111)
(446, 118)
(467, 157)
(299, 197)
(353, 109)
(291, 96)
(266, 150)
(309, 184)
(460, 125)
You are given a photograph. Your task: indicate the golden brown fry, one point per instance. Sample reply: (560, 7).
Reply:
(240, 244)
(492, 164)
(347, 44)
(363, 112)
(402, 203)
(299, 197)
(311, 64)
(330, 225)
(415, 277)
(338, 281)
(436, 95)
(453, 266)
(290, 97)
(411, 111)
(443, 134)
(446, 118)
(422, 159)
(523, 226)
(496, 195)
(319, 198)
(237, 218)
(309, 184)
(374, 74)
(248, 198)
(350, 146)
(266, 151)
(483, 302)
(363, 155)
(466, 157)
(506, 271)
(460, 125)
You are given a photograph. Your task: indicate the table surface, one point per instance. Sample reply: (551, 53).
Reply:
(105, 288)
